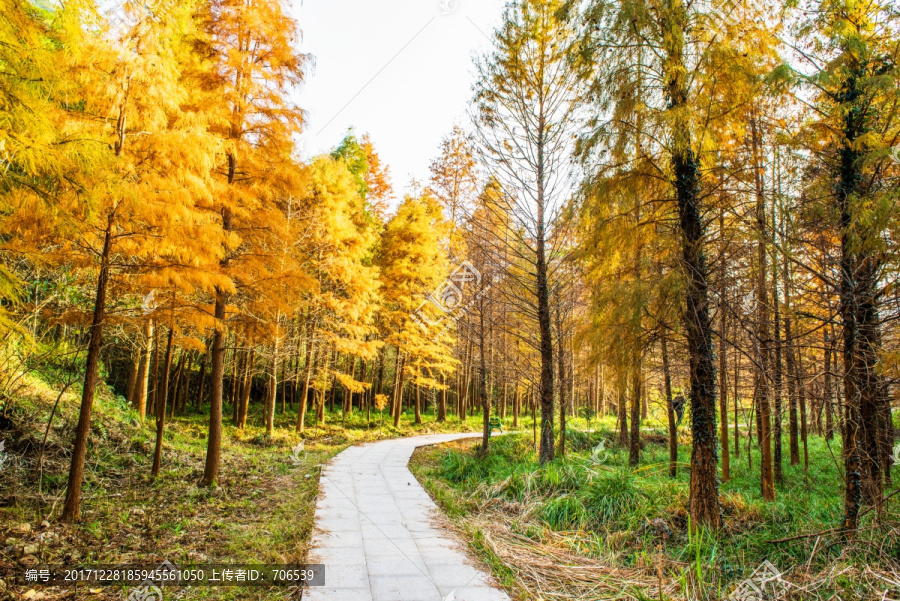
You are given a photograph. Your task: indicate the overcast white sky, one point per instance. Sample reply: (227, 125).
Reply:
(400, 70)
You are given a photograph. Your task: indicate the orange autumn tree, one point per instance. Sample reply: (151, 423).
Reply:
(337, 249)
(252, 68)
(413, 262)
(134, 195)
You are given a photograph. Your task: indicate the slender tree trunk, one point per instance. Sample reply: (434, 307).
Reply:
(418, 408)
(154, 374)
(246, 389)
(238, 382)
(776, 438)
(161, 406)
(561, 372)
(801, 399)
(764, 417)
(239, 364)
(543, 310)
(307, 373)
(178, 371)
(737, 379)
(214, 440)
(72, 507)
(143, 384)
(131, 387)
(217, 374)
(622, 408)
(398, 390)
(273, 390)
(670, 412)
(723, 357)
(482, 380)
(634, 448)
(828, 388)
(793, 425)
(442, 406)
(517, 404)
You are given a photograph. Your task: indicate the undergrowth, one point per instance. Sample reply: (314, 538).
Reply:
(590, 504)
(261, 510)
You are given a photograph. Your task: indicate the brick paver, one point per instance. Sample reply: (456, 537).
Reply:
(375, 532)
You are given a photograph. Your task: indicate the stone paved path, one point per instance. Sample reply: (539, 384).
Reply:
(375, 532)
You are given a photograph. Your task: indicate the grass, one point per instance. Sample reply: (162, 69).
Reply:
(261, 510)
(628, 528)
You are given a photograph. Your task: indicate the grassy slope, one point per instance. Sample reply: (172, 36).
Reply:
(582, 529)
(261, 512)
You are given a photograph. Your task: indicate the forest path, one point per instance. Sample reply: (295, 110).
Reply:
(376, 532)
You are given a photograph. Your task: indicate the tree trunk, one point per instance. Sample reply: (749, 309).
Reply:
(273, 390)
(723, 357)
(776, 438)
(704, 486)
(801, 399)
(72, 507)
(307, 372)
(517, 405)
(622, 409)
(634, 447)
(161, 406)
(561, 372)
(442, 406)
(482, 377)
(543, 310)
(178, 371)
(418, 408)
(154, 374)
(670, 412)
(398, 389)
(143, 382)
(217, 375)
(764, 416)
(859, 268)
(131, 387)
(829, 389)
(246, 389)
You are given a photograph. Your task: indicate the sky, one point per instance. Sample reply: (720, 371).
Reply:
(399, 70)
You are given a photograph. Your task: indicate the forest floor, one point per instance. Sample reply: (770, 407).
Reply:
(588, 527)
(261, 512)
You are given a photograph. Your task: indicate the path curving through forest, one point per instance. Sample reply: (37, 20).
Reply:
(376, 532)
